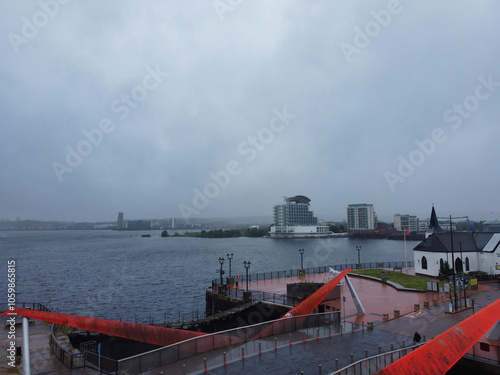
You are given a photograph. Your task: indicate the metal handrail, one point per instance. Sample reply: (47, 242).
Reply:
(364, 366)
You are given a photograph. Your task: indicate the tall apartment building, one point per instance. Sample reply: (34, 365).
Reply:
(361, 218)
(401, 222)
(119, 223)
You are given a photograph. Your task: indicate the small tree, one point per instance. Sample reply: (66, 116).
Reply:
(445, 270)
(164, 233)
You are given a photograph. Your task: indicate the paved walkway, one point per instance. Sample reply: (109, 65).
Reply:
(42, 359)
(377, 299)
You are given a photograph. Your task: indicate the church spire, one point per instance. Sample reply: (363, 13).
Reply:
(433, 224)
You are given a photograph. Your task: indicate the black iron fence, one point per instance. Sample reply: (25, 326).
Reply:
(312, 270)
(26, 305)
(74, 360)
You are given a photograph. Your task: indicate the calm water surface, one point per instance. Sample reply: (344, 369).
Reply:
(120, 275)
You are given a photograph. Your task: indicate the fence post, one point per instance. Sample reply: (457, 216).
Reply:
(204, 364)
(320, 370)
(275, 343)
(242, 352)
(225, 362)
(352, 358)
(336, 364)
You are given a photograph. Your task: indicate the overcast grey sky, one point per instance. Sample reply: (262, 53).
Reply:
(220, 108)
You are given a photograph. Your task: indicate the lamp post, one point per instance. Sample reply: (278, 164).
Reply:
(221, 261)
(247, 266)
(358, 247)
(230, 256)
(301, 251)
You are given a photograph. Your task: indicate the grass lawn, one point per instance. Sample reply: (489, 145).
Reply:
(407, 281)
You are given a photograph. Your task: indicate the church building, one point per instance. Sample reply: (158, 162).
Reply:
(466, 251)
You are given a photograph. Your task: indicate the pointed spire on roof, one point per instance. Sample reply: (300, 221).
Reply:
(434, 223)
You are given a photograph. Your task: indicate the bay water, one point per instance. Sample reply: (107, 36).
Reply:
(123, 276)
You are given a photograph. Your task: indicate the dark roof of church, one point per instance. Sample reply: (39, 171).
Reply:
(467, 241)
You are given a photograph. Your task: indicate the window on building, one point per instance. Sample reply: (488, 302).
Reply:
(424, 263)
(467, 265)
(441, 263)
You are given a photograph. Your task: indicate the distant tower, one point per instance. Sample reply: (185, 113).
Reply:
(173, 223)
(119, 224)
(433, 224)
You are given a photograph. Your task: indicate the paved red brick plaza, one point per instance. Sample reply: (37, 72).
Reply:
(376, 297)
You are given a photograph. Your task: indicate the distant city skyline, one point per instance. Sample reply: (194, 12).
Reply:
(261, 218)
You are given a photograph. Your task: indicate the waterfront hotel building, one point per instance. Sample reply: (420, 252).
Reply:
(293, 219)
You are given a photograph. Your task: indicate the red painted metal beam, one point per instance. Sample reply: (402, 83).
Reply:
(310, 303)
(140, 332)
(306, 307)
(440, 354)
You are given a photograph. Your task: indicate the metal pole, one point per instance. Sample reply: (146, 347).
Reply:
(26, 348)
(301, 251)
(221, 261)
(463, 277)
(230, 256)
(453, 267)
(406, 258)
(247, 266)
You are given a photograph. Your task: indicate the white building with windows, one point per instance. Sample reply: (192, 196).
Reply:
(293, 219)
(402, 222)
(465, 251)
(361, 218)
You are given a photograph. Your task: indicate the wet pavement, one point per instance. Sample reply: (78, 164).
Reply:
(42, 359)
(378, 299)
(328, 352)
(303, 355)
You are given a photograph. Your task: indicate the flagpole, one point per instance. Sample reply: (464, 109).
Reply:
(406, 258)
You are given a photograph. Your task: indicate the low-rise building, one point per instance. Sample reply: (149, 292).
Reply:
(404, 222)
(465, 251)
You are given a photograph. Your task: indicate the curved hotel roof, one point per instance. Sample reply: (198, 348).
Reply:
(298, 199)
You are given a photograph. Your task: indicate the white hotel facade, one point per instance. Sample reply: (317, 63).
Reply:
(293, 219)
